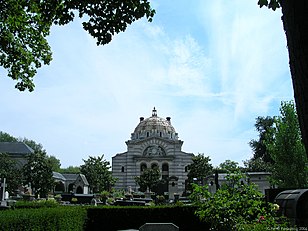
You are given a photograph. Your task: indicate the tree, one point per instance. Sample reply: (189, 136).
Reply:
(295, 23)
(261, 160)
(37, 147)
(149, 179)
(55, 163)
(264, 127)
(5, 137)
(70, 169)
(199, 168)
(25, 25)
(287, 150)
(9, 170)
(38, 172)
(257, 165)
(97, 172)
(228, 165)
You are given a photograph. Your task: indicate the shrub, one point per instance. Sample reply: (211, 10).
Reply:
(235, 206)
(47, 219)
(37, 204)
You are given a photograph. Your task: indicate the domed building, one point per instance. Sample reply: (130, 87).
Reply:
(154, 143)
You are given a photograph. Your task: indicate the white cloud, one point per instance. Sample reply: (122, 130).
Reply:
(225, 65)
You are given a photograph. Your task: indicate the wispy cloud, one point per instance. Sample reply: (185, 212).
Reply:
(213, 71)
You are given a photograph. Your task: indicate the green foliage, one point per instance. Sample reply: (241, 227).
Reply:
(118, 193)
(97, 172)
(148, 179)
(257, 165)
(287, 150)
(264, 126)
(280, 149)
(106, 18)
(233, 205)
(36, 204)
(23, 39)
(160, 199)
(109, 218)
(49, 219)
(55, 163)
(271, 4)
(70, 169)
(228, 165)
(38, 172)
(37, 147)
(25, 25)
(5, 137)
(9, 170)
(200, 193)
(199, 168)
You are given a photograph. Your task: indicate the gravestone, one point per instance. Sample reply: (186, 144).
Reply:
(159, 227)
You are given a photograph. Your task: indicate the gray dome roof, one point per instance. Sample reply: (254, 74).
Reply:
(154, 126)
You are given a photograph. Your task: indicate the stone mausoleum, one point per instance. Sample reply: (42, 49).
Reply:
(154, 143)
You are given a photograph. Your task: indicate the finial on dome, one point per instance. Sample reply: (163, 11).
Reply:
(154, 112)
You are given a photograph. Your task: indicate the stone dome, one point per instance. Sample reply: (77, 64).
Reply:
(154, 126)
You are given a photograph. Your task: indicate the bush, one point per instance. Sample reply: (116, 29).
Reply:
(37, 204)
(47, 219)
(110, 218)
(235, 206)
(114, 218)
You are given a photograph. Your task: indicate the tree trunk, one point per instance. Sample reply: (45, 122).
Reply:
(295, 22)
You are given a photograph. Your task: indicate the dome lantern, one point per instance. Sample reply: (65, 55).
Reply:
(154, 112)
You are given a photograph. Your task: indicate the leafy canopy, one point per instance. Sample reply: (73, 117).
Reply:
(148, 179)
(228, 165)
(287, 150)
(200, 167)
(261, 160)
(10, 171)
(271, 4)
(25, 25)
(37, 147)
(264, 125)
(96, 170)
(38, 172)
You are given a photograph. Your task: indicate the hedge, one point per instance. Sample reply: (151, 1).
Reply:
(114, 218)
(109, 218)
(49, 219)
(36, 204)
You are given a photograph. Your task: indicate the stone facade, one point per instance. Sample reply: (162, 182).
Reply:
(70, 183)
(154, 143)
(260, 179)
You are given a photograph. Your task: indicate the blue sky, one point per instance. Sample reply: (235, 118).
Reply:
(212, 66)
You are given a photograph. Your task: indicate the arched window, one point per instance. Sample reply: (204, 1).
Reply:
(165, 167)
(154, 165)
(122, 169)
(148, 134)
(143, 167)
(186, 168)
(59, 187)
(79, 190)
(71, 187)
